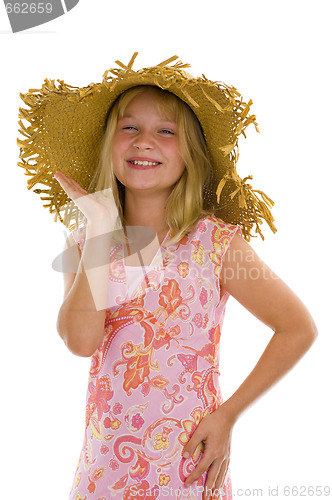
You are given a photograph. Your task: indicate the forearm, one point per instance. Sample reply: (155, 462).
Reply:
(82, 315)
(281, 354)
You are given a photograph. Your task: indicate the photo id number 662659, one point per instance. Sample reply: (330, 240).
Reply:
(29, 8)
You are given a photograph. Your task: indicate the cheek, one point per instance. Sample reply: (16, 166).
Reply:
(120, 141)
(116, 157)
(172, 150)
(119, 149)
(179, 160)
(116, 146)
(177, 152)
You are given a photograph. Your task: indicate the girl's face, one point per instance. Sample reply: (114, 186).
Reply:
(145, 152)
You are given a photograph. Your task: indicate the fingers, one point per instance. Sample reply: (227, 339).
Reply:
(61, 177)
(212, 474)
(216, 474)
(198, 439)
(69, 185)
(64, 179)
(201, 467)
(215, 437)
(221, 474)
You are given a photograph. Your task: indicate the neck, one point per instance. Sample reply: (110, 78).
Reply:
(146, 211)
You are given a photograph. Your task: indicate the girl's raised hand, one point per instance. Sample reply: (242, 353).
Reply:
(215, 431)
(99, 206)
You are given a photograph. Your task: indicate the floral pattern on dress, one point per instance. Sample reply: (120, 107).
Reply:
(155, 375)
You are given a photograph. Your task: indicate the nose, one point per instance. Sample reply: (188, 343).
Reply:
(143, 140)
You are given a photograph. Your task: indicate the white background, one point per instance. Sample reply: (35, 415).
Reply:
(278, 54)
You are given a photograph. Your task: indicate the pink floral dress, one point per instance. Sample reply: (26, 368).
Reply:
(155, 376)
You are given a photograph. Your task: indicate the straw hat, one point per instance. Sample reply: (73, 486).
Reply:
(66, 126)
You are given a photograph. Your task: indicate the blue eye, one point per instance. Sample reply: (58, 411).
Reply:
(129, 127)
(167, 131)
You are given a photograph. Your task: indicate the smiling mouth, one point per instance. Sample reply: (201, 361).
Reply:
(145, 163)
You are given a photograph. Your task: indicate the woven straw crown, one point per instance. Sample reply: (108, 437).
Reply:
(66, 127)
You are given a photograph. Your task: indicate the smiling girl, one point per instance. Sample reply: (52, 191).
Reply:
(156, 423)
(146, 159)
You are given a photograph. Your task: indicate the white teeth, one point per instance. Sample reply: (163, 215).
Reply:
(145, 163)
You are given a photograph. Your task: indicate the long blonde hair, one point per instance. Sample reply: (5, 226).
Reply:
(185, 204)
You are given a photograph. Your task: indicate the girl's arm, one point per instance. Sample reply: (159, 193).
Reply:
(252, 283)
(245, 276)
(81, 317)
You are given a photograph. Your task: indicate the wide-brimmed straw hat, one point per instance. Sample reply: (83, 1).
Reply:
(67, 124)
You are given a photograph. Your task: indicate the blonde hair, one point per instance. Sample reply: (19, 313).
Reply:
(185, 204)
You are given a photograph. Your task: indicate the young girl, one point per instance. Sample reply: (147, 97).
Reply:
(148, 308)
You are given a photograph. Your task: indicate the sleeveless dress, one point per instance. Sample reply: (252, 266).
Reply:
(155, 375)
